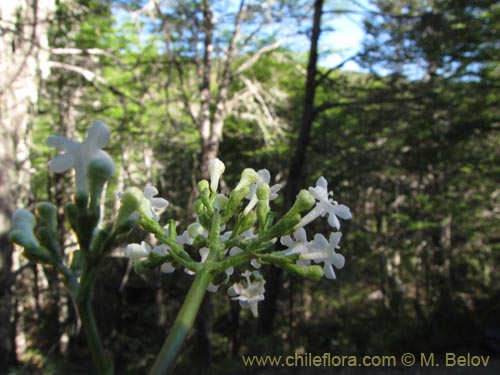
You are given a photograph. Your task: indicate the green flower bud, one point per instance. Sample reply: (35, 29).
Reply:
(263, 192)
(131, 201)
(248, 177)
(304, 201)
(49, 240)
(38, 255)
(98, 173)
(233, 203)
(48, 213)
(23, 223)
(246, 222)
(314, 272)
(202, 185)
(81, 200)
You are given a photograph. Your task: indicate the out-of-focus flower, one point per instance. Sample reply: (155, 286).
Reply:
(80, 155)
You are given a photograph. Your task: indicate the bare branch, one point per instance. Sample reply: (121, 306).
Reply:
(257, 55)
(90, 76)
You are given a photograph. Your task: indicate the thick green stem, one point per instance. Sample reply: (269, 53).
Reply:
(182, 326)
(103, 364)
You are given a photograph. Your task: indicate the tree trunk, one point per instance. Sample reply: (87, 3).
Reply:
(23, 46)
(274, 280)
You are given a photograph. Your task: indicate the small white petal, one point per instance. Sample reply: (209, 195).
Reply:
(254, 309)
(321, 182)
(167, 268)
(98, 134)
(300, 235)
(287, 241)
(150, 192)
(235, 251)
(61, 163)
(61, 143)
(159, 203)
(204, 251)
(265, 175)
(329, 272)
(333, 221)
(338, 260)
(343, 212)
(212, 288)
(255, 264)
(335, 238)
(320, 241)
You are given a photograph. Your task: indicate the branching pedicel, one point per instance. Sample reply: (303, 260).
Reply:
(232, 235)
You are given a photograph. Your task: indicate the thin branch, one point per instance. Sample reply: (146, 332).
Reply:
(257, 55)
(91, 77)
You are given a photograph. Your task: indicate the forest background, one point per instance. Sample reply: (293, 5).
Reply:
(410, 143)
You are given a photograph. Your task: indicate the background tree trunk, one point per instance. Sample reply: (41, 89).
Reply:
(274, 281)
(23, 51)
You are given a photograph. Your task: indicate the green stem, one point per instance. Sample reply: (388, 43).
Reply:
(102, 363)
(182, 326)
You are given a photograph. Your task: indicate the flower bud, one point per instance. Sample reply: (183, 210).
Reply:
(131, 201)
(22, 234)
(48, 213)
(304, 201)
(202, 185)
(215, 169)
(248, 177)
(314, 272)
(233, 203)
(247, 222)
(98, 173)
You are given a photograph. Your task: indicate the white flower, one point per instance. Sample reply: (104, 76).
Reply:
(325, 205)
(136, 252)
(248, 295)
(324, 251)
(154, 204)
(215, 169)
(80, 155)
(298, 246)
(263, 177)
